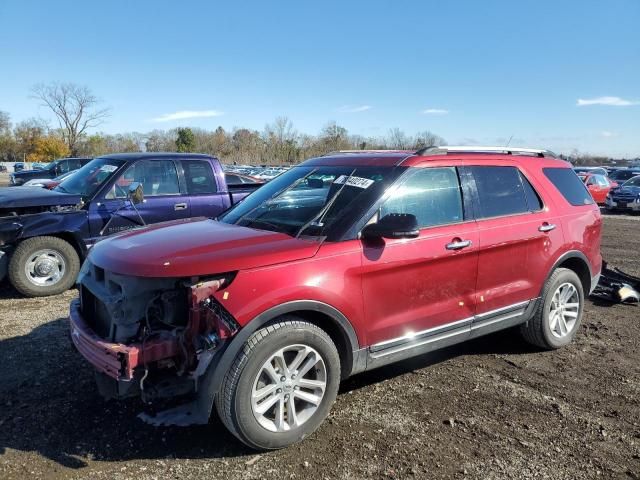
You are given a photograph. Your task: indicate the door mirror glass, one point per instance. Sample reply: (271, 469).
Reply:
(135, 193)
(315, 183)
(393, 225)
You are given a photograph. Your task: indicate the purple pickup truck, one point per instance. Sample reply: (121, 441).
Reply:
(45, 234)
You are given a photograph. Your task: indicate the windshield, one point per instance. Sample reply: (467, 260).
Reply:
(634, 182)
(59, 178)
(622, 175)
(86, 180)
(313, 200)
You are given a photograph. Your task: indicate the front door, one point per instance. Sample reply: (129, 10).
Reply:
(163, 199)
(415, 287)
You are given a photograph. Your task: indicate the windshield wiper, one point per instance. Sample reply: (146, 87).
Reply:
(318, 217)
(62, 189)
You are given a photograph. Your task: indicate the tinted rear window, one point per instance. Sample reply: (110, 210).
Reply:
(569, 185)
(500, 191)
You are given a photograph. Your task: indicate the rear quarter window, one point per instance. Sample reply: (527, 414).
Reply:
(569, 185)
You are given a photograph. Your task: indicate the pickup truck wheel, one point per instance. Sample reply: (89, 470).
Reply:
(281, 385)
(42, 266)
(559, 312)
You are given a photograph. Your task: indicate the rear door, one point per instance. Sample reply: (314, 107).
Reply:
(200, 183)
(518, 235)
(163, 198)
(426, 285)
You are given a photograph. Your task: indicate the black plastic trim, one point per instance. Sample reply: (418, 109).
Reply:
(566, 256)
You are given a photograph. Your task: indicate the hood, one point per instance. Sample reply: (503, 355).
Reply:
(29, 174)
(195, 247)
(20, 197)
(628, 190)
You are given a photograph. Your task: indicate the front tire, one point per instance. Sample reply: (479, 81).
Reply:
(281, 385)
(559, 312)
(42, 266)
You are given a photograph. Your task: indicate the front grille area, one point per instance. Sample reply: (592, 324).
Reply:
(95, 314)
(115, 306)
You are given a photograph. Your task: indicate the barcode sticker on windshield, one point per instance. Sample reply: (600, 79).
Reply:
(354, 181)
(108, 168)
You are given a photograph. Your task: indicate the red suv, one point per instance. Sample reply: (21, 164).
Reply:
(343, 264)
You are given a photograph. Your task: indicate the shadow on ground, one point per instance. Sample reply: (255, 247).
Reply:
(49, 403)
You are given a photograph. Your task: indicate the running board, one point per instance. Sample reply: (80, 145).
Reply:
(408, 346)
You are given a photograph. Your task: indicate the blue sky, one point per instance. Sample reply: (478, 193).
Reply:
(554, 74)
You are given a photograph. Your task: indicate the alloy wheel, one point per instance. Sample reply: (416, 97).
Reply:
(289, 388)
(564, 310)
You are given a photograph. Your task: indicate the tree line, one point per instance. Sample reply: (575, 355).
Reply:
(77, 111)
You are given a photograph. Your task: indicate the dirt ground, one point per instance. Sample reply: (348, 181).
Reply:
(491, 408)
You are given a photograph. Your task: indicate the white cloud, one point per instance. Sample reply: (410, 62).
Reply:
(435, 111)
(354, 108)
(611, 101)
(608, 134)
(185, 114)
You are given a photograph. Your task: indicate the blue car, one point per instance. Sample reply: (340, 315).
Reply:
(626, 197)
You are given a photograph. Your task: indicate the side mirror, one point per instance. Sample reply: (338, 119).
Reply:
(135, 193)
(393, 225)
(315, 183)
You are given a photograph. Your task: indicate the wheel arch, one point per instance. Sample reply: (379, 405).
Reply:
(577, 262)
(70, 238)
(321, 314)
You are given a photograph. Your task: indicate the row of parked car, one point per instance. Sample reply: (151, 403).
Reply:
(258, 306)
(52, 174)
(616, 189)
(261, 173)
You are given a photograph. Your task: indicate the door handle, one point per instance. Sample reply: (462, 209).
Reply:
(180, 206)
(546, 227)
(458, 244)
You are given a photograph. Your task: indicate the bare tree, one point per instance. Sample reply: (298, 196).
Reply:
(75, 107)
(5, 122)
(397, 139)
(281, 138)
(428, 139)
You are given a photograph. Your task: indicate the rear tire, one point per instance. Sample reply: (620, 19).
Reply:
(559, 312)
(281, 385)
(43, 266)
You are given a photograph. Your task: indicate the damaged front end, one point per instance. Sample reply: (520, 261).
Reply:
(149, 337)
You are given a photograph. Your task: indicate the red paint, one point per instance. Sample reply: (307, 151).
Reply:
(385, 290)
(116, 360)
(196, 247)
(598, 192)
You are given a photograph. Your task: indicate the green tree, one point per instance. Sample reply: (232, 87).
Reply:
(186, 141)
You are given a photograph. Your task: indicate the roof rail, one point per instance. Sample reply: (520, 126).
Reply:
(337, 152)
(482, 149)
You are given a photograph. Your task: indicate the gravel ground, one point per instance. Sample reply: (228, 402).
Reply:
(490, 408)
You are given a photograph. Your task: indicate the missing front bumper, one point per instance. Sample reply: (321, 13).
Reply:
(116, 360)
